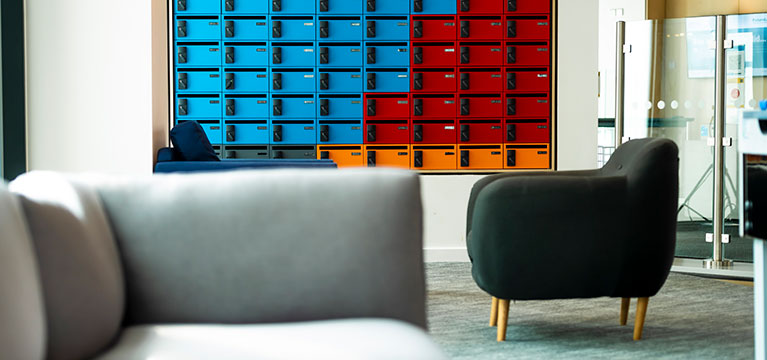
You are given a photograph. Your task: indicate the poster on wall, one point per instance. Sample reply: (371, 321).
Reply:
(749, 34)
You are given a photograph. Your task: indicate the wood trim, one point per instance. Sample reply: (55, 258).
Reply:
(553, 164)
(160, 76)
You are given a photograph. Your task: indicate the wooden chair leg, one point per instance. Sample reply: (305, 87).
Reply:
(494, 312)
(503, 318)
(625, 302)
(639, 321)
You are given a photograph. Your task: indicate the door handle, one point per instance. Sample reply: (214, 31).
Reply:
(324, 155)
(229, 28)
(511, 81)
(465, 5)
(511, 106)
(511, 158)
(465, 55)
(229, 55)
(511, 55)
(371, 51)
(229, 5)
(277, 135)
(181, 5)
(229, 82)
(277, 107)
(418, 55)
(465, 29)
(465, 133)
(324, 30)
(183, 107)
(371, 130)
(465, 81)
(371, 26)
(230, 107)
(181, 27)
(230, 133)
(418, 159)
(371, 5)
(182, 54)
(276, 81)
(276, 28)
(276, 55)
(324, 81)
(511, 132)
(512, 6)
(417, 5)
(511, 29)
(324, 133)
(276, 5)
(324, 107)
(417, 29)
(371, 81)
(464, 158)
(371, 108)
(324, 6)
(182, 81)
(465, 107)
(417, 107)
(371, 159)
(418, 81)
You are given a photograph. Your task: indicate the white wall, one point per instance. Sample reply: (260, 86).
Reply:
(89, 85)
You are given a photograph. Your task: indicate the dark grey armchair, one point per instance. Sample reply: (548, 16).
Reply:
(582, 234)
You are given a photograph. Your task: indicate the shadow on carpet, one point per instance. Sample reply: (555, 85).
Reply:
(691, 318)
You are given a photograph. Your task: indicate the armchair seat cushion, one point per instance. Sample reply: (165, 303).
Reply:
(337, 339)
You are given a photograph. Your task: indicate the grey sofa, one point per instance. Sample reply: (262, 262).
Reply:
(283, 264)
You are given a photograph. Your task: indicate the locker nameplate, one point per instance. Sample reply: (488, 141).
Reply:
(449, 102)
(308, 50)
(449, 127)
(308, 127)
(543, 101)
(543, 152)
(543, 75)
(495, 101)
(450, 50)
(449, 24)
(496, 76)
(401, 76)
(402, 128)
(308, 76)
(402, 102)
(356, 127)
(402, 154)
(356, 154)
(261, 102)
(449, 76)
(308, 24)
(356, 24)
(356, 102)
(495, 50)
(308, 102)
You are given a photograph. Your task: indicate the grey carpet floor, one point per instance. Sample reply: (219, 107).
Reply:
(691, 318)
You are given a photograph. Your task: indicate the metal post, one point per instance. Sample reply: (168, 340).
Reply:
(718, 260)
(620, 81)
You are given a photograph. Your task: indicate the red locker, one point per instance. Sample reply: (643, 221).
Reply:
(528, 105)
(433, 28)
(528, 80)
(480, 53)
(480, 79)
(387, 106)
(486, 131)
(528, 6)
(480, 27)
(433, 131)
(483, 6)
(432, 106)
(528, 27)
(387, 131)
(433, 54)
(527, 131)
(480, 105)
(433, 80)
(528, 53)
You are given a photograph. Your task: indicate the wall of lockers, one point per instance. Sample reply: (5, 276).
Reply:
(420, 84)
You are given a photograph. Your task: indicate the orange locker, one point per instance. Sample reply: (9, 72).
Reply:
(527, 156)
(434, 157)
(397, 156)
(480, 157)
(342, 155)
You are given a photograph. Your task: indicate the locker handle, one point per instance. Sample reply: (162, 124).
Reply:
(418, 55)
(371, 81)
(512, 5)
(183, 107)
(371, 130)
(230, 154)
(465, 107)
(277, 81)
(182, 55)
(465, 29)
(511, 81)
(465, 55)
(276, 5)
(276, 28)
(324, 155)
(324, 81)
(511, 132)
(511, 29)
(230, 133)
(371, 51)
(465, 158)
(418, 81)
(511, 55)
(277, 107)
(417, 5)
(276, 55)
(230, 108)
(371, 5)
(181, 5)
(229, 55)
(324, 133)
(229, 28)
(277, 154)
(324, 55)
(324, 107)
(371, 159)
(417, 133)
(511, 106)
(181, 28)
(229, 5)
(418, 108)
(418, 158)
(465, 133)
(229, 84)
(417, 29)
(511, 158)
(371, 109)
(182, 81)
(465, 5)
(324, 6)
(371, 24)
(465, 81)
(324, 29)
(277, 137)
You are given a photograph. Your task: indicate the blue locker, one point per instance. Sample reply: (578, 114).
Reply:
(292, 28)
(198, 28)
(387, 54)
(245, 6)
(292, 6)
(202, 54)
(250, 28)
(207, 80)
(293, 131)
(387, 6)
(292, 54)
(339, 7)
(433, 7)
(339, 80)
(246, 54)
(246, 132)
(196, 7)
(292, 80)
(339, 28)
(242, 106)
(339, 106)
(388, 28)
(339, 132)
(339, 54)
(387, 80)
(293, 106)
(253, 80)
(198, 106)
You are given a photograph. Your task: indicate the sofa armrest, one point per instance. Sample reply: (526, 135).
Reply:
(166, 154)
(270, 246)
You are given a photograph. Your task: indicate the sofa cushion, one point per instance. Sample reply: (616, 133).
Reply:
(22, 323)
(190, 141)
(339, 339)
(81, 276)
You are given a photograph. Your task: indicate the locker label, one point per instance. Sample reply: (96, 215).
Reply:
(214, 24)
(356, 76)
(308, 24)
(401, 154)
(449, 153)
(402, 102)
(495, 24)
(449, 76)
(308, 76)
(540, 127)
(356, 50)
(449, 24)
(543, 24)
(495, 101)
(308, 102)
(260, 24)
(261, 102)
(543, 152)
(308, 50)
(543, 101)
(308, 127)
(495, 50)
(356, 102)
(401, 50)
(497, 76)
(215, 128)
(356, 127)
(495, 128)
(214, 102)
(261, 50)
(213, 49)
(261, 128)
(356, 154)
(495, 153)
(402, 24)
(356, 24)
(449, 50)
(214, 76)
(449, 127)
(261, 76)
(449, 102)
(402, 128)
(543, 49)
(543, 75)
(401, 76)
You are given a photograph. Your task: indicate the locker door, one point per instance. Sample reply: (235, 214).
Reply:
(387, 28)
(528, 53)
(481, 27)
(255, 80)
(387, 54)
(387, 80)
(245, 28)
(480, 79)
(433, 131)
(198, 106)
(387, 132)
(528, 105)
(292, 54)
(528, 28)
(245, 54)
(340, 132)
(198, 28)
(434, 54)
(527, 80)
(433, 28)
(342, 155)
(527, 131)
(396, 156)
(527, 156)
(433, 106)
(246, 132)
(293, 132)
(482, 131)
(206, 80)
(433, 80)
(480, 53)
(387, 106)
(339, 28)
(293, 106)
(345, 54)
(293, 80)
(339, 80)
(292, 28)
(292, 6)
(433, 157)
(246, 106)
(244, 7)
(340, 106)
(480, 157)
(198, 54)
(196, 7)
